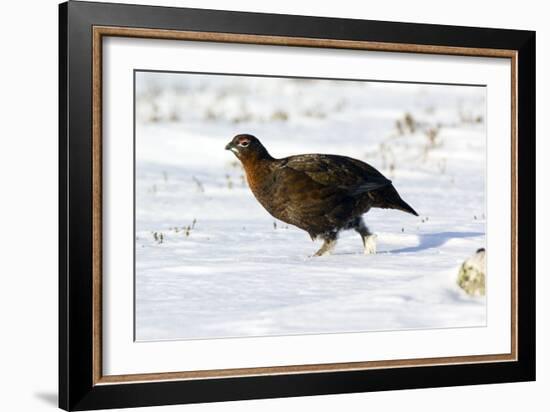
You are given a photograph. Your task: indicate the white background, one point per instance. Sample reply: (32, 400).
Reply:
(28, 218)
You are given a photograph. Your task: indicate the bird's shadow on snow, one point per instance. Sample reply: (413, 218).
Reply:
(434, 240)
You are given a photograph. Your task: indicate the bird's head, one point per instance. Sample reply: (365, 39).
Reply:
(247, 147)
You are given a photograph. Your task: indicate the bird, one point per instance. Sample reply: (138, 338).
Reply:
(321, 194)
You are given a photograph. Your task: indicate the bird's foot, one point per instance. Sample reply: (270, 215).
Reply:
(321, 252)
(326, 249)
(370, 244)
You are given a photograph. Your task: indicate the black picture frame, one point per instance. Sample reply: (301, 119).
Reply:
(77, 390)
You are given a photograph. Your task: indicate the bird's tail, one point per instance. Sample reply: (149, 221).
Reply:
(404, 207)
(388, 198)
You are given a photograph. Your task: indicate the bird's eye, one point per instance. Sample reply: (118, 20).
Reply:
(244, 143)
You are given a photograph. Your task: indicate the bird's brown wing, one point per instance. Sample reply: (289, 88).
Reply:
(318, 192)
(350, 175)
(294, 197)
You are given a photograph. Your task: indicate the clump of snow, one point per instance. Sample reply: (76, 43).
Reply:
(211, 262)
(471, 276)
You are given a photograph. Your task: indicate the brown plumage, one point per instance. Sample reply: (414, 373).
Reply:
(319, 193)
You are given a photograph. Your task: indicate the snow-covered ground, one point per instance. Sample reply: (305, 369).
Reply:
(211, 262)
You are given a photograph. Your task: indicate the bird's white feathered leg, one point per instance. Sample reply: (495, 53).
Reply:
(369, 242)
(369, 239)
(328, 245)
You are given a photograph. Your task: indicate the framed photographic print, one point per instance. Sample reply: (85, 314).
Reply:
(256, 205)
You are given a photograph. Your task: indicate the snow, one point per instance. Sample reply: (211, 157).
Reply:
(211, 262)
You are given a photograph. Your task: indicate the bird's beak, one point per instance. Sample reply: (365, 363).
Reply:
(228, 146)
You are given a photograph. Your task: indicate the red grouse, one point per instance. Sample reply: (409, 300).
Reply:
(319, 193)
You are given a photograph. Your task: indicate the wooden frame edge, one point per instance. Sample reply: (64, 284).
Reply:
(297, 41)
(514, 218)
(98, 32)
(298, 369)
(97, 228)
